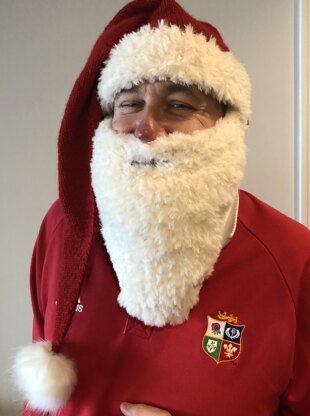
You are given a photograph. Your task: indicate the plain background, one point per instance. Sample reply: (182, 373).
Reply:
(44, 45)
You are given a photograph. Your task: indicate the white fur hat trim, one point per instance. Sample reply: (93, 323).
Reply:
(46, 379)
(182, 56)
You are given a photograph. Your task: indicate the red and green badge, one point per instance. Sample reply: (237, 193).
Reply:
(222, 340)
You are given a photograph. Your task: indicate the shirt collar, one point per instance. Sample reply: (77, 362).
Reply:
(231, 222)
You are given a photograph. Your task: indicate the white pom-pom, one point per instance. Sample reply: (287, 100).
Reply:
(45, 379)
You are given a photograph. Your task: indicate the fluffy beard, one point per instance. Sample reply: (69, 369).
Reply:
(162, 207)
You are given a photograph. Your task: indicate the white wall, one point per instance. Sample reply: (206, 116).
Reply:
(44, 45)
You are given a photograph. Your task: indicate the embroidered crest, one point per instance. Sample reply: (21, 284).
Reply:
(222, 340)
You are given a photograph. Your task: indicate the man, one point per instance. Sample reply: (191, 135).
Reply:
(157, 288)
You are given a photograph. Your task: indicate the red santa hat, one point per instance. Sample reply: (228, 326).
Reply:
(146, 40)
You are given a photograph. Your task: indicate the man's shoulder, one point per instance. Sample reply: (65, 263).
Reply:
(253, 210)
(53, 218)
(275, 230)
(283, 240)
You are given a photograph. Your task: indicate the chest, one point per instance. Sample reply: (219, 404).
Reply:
(232, 355)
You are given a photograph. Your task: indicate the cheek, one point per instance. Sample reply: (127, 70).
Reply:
(206, 121)
(198, 122)
(121, 125)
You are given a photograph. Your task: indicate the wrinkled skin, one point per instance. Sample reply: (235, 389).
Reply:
(154, 109)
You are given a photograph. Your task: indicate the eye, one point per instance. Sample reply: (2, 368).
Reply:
(129, 106)
(180, 106)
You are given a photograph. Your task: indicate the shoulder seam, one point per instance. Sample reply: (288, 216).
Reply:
(274, 259)
(56, 226)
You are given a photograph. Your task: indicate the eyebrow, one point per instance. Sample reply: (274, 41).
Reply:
(181, 88)
(127, 91)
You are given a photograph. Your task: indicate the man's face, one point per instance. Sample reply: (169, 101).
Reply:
(163, 204)
(150, 110)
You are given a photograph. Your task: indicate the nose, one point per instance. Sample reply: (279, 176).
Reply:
(148, 128)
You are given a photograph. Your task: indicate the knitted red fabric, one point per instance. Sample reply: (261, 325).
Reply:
(82, 116)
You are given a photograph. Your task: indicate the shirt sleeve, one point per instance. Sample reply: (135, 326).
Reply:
(35, 274)
(296, 400)
(47, 229)
(38, 320)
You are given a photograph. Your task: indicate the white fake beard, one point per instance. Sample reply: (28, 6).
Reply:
(162, 207)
